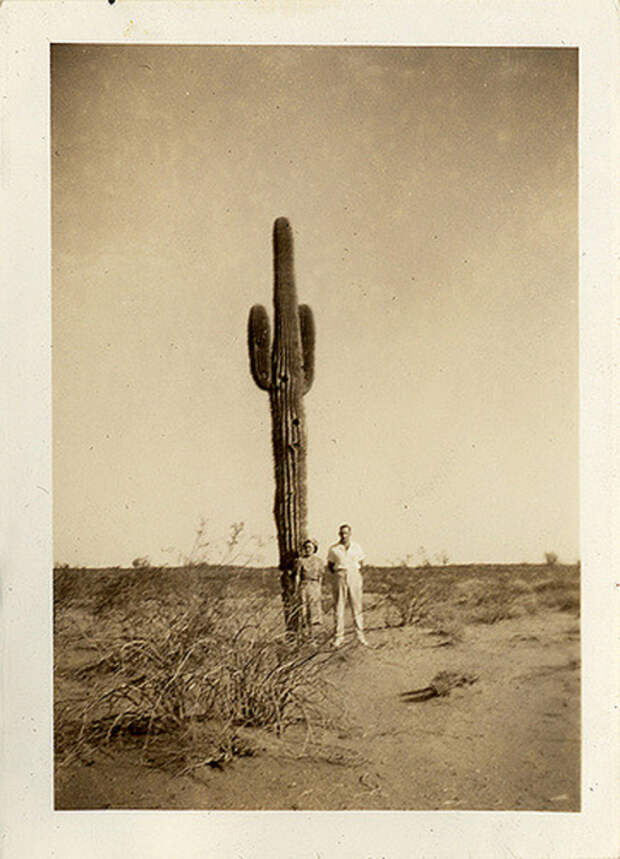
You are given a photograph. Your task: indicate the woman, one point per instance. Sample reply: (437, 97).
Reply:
(309, 576)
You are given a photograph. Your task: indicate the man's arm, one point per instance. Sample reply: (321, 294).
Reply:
(361, 559)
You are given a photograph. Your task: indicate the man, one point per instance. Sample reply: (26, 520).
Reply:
(344, 560)
(309, 576)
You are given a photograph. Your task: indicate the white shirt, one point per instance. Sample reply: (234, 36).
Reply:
(343, 560)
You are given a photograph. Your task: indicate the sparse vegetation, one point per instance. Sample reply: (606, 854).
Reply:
(449, 597)
(185, 667)
(551, 559)
(173, 660)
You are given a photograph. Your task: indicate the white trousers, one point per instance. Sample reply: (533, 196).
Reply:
(347, 585)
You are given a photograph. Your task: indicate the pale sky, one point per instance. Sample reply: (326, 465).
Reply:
(433, 197)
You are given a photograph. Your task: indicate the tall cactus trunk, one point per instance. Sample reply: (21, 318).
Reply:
(288, 424)
(287, 377)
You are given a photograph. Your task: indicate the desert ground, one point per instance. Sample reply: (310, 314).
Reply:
(177, 689)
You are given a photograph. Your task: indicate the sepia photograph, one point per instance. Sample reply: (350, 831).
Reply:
(315, 427)
(309, 429)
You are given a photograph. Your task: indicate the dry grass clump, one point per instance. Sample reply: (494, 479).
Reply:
(177, 675)
(409, 605)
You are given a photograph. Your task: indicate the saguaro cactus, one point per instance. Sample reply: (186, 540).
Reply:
(286, 371)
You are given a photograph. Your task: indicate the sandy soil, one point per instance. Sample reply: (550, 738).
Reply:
(509, 741)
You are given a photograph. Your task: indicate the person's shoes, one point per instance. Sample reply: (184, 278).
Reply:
(336, 644)
(363, 640)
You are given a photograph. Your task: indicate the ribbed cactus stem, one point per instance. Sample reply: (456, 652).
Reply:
(288, 425)
(287, 377)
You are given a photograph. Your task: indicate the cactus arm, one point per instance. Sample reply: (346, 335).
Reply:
(306, 324)
(259, 342)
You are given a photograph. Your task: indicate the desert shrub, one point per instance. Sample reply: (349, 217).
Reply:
(141, 563)
(569, 602)
(420, 595)
(547, 584)
(175, 670)
(408, 605)
(559, 594)
(551, 559)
